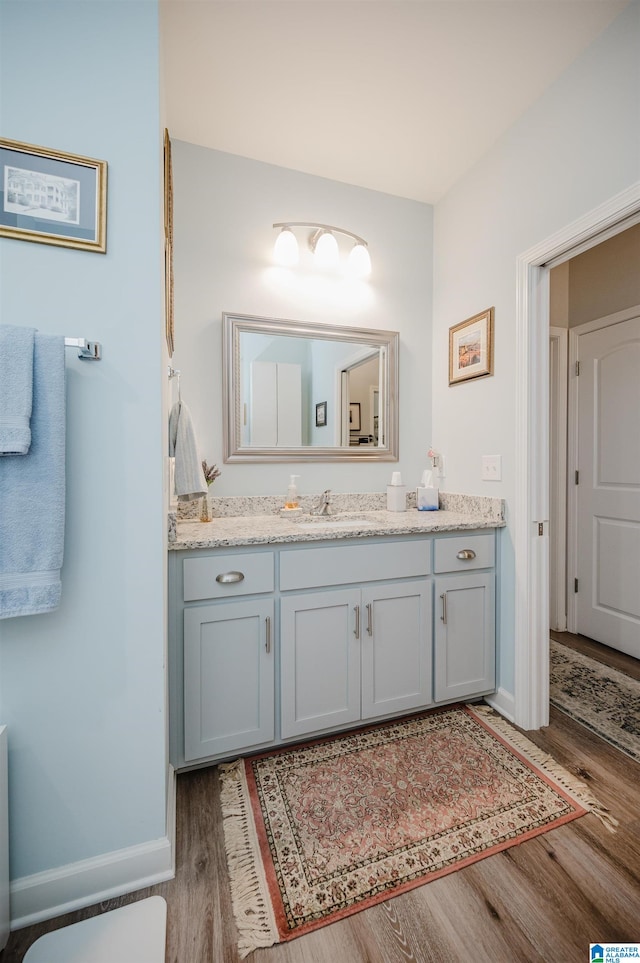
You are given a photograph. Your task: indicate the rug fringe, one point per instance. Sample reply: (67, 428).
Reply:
(576, 787)
(251, 905)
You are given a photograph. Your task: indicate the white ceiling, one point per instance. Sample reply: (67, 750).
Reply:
(400, 96)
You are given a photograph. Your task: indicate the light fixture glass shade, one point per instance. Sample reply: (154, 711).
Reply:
(359, 262)
(285, 250)
(326, 252)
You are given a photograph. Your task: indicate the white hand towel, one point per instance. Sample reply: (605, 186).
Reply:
(16, 388)
(189, 476)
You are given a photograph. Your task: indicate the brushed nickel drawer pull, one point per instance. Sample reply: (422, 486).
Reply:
(267, 625)
(369, 619)
(443, 617)
(356, 631)
(465, 554)
(228, 578)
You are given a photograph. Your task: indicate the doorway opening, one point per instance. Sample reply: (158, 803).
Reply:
(531, 706)
(595, 490)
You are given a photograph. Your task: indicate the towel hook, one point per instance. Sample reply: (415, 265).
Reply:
(174, 373)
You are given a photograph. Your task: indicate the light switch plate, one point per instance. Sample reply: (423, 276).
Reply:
(492, 467)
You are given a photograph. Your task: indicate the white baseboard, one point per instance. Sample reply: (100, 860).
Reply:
(171, 816)
(503, 702)
(4, 841)
(55, 892)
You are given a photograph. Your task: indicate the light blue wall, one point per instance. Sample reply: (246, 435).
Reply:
(578, 146)
(82, 689)
(225, 207)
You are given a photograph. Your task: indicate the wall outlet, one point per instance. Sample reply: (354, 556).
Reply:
(492, 467)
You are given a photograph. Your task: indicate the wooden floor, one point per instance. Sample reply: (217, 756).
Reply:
(544, 900)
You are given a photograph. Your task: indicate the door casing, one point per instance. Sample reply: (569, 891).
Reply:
(531, 695)
(558, 361)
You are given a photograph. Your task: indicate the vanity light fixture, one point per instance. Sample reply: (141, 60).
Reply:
(285, 250)
(324, 245)
(359, 262)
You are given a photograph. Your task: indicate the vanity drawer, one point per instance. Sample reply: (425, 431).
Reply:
(464, 552)
(344, 564)
(223, 576)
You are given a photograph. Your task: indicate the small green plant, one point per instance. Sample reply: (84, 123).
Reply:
(211, 472)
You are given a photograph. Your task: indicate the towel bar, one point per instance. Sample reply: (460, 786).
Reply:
(87, 350)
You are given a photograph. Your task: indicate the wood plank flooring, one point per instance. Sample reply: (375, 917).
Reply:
(544, 900)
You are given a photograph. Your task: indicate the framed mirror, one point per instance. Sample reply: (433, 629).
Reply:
(297, 391)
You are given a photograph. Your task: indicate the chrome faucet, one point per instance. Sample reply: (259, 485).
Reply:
(324, 505)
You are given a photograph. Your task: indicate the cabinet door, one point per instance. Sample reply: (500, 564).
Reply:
(228, 677)
(464, 643)
(396, 647)
(320, 661)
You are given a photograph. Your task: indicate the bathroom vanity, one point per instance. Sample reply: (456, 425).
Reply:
(286, 631)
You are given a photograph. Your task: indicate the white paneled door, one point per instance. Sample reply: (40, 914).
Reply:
(608, 491)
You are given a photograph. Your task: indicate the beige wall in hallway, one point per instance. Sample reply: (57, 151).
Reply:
(603, 280)
(606, 278)
(559, 296)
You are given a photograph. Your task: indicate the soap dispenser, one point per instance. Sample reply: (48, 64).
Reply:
(292, 494)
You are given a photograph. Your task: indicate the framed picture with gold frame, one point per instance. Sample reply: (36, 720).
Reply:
(52, 197)
(168, 242)
(471, 348)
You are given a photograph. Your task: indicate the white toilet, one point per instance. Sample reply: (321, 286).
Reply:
(135, 933)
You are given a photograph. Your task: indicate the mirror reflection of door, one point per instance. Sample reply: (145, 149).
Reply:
(360, 389)
(374, 404)
(276, 405)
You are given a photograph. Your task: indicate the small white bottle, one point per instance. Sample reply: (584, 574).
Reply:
(396, 494)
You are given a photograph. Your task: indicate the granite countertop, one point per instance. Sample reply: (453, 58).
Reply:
(263, 529)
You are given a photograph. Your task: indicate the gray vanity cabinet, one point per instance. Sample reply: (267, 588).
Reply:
(228, 662)
(277, 642)
(396, 648)
(464, 624)
(319, 661)
(354, 653)
(349, 654)
(228, 677)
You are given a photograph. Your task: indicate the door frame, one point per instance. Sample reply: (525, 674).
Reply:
(531, 696)
(558, 428)
(573, 455)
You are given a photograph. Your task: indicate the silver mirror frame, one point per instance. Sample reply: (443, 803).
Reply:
(233, 325)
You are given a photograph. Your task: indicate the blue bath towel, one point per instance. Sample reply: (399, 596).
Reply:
(32, 495)
(16, 388)
(189, 477)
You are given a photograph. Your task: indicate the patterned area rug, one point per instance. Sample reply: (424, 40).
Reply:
(600, 698)
(316, 833)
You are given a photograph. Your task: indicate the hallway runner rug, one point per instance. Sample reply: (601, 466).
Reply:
(603, 699)
(318, 832)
